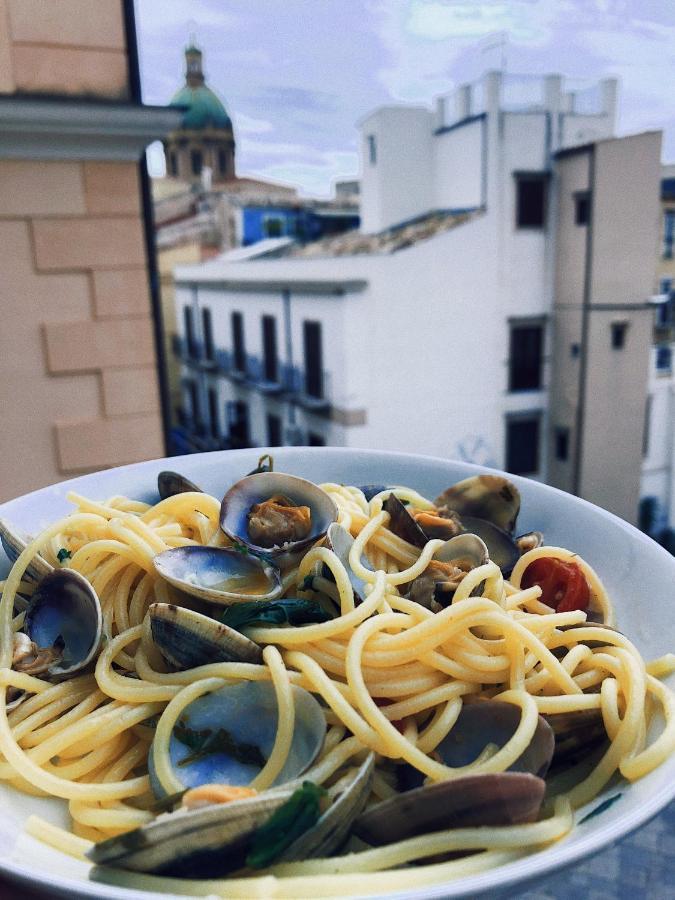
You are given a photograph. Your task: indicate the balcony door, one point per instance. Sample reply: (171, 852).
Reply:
(313, 359)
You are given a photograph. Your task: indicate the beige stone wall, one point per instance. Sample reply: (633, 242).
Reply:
(78, 381)
(63, 47)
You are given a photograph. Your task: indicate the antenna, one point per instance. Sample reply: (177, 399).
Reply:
(497, 39)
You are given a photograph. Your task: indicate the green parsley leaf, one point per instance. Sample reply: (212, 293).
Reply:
(273, 613)
(204, 743)
(297, 815)
(63, 554)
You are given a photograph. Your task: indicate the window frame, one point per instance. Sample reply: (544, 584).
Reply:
(371, 142)
(238, 341)
(514, 380)
(536, 176)
(207, 334)
(189, 328)
(521, 418)
(314, 380)
(668, 232)
(618, 334)
(270, 345)
(582, 197)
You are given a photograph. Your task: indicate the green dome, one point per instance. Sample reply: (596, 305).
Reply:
(204, 108)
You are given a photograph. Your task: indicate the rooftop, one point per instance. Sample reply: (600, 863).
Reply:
(398, 237)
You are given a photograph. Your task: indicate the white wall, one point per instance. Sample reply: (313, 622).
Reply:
(457, 160)
(399, 185)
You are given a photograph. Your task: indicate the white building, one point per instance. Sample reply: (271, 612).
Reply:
(430, 330)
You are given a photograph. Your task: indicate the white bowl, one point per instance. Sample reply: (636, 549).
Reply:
(638, 573)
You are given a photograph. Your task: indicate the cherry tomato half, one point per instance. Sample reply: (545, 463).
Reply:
(563, 585)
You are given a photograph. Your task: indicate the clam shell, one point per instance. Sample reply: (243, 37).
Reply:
(507, 798)
(253, 489)
(340, 541)
(171, 483)
(199, 843)
(248, 712)
(334, 825)
(490, 497)
(14, 542)
(188, 639)
(65, 606)
(219, 574)
(491, 722)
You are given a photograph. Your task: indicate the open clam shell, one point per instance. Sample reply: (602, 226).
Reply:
(506, 798)
(465, 552)
(334, 825)
(244, 714)
(490, 497)
(501, 546)
(493, 722)
(340, 541)
(171, 483)
(256, 489)
(65, 611)
(14, 542)
(219, 575)
(199, 843)
(188, 639)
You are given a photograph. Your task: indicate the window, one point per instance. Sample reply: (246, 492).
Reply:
(207, 328)
(188, 322)
(668, 233)
(372, 149)
(531, 190)
(525, 357)
(196, 161)
(562, 443)
(222, 162)
(313, 359)
(270, 364)
(619, 330)
(575, 350)
(647, 424)
(273, 226)
(237, 420)
(173, 163)
(315, 440)
(193, 400)
(213, 413)
(238, 345)
(522, 445)
(663, 310)
(274, 430)
(664, 359)
(582, 208)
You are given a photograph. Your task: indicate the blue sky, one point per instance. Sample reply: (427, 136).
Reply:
(296, 75)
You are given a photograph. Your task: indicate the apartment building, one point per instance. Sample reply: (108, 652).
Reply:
(657, 506)
(435, 329)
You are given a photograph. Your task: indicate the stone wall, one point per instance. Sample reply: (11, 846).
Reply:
(78, 377)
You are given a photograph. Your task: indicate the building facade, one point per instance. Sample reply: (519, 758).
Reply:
(435, 329)
(78, 361)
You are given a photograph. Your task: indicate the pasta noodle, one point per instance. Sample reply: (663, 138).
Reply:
(392, 676)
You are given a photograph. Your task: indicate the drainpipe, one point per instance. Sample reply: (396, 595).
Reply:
(293, 431)
(148, 229)
(585, 324)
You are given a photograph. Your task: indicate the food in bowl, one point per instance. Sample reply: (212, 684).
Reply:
(300, 666)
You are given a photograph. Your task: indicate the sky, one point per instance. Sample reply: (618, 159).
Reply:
(297, 75)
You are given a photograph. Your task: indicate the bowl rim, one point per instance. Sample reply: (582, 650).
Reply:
(531, 866)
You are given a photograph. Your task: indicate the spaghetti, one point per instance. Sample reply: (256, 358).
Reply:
(392, 676)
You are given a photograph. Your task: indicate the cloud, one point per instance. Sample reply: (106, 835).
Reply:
(295, 98)
(526, 21)
(249, 125)
(313, 178)
(199, 15)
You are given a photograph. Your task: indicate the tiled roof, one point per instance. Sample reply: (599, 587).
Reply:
(398, 237)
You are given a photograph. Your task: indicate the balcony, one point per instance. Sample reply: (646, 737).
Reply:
(296, 386)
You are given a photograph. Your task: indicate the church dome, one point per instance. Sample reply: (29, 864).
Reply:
(204, 109)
